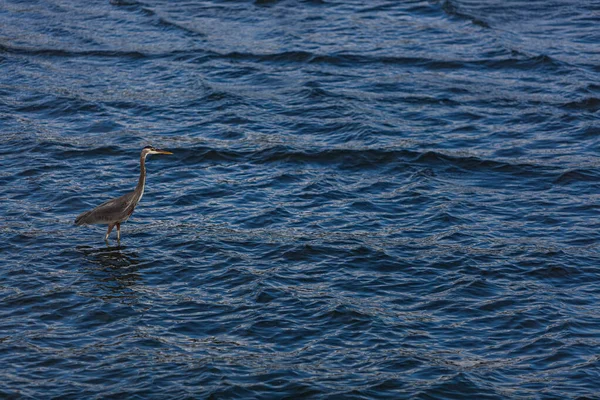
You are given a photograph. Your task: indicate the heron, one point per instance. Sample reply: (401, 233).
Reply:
(118, 210)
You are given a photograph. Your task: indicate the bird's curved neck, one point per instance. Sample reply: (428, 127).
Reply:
(139, 189)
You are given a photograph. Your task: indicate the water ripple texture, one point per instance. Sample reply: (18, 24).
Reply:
(383, 199)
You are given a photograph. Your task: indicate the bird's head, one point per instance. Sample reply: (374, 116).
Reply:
(153, 150)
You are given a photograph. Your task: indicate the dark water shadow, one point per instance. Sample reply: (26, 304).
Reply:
(113, 270)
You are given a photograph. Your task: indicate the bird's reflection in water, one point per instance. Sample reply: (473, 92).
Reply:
(113, 270)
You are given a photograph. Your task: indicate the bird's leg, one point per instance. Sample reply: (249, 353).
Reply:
(110, 226)
(118, 231)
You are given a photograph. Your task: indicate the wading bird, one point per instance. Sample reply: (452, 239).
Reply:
(116, 211)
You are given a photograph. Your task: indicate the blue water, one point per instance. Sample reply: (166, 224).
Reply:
(382, 199)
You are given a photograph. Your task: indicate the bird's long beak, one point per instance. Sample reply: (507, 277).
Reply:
(159, 151)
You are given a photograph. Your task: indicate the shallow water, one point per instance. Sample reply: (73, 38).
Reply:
(366, 199)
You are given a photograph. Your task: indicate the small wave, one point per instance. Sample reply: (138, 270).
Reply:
(124, 3)
(266, 218)
(178, 26)
(591, 104)
(61, 106)
(200, 56)
(73, 151)
(339, 59)
(265, 2)
(70, 53)
(352, 60)
(572, 176)
(361, 158)
(452, 10)
(343, 314)
(554, 272)
(525, 62)
(286, 56)
(157, 19)
(458, 385)
(306, 252)
(471, 163)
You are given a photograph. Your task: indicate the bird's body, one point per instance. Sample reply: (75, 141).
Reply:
(110, 212)
(115, 211)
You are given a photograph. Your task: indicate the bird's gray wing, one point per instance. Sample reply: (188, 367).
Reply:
(110, 211)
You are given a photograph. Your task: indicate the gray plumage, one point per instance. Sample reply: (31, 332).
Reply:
(114, 212)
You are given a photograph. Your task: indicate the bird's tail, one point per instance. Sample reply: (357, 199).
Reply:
(82, 218)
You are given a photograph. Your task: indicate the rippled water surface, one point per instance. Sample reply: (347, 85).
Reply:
(367, 199)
